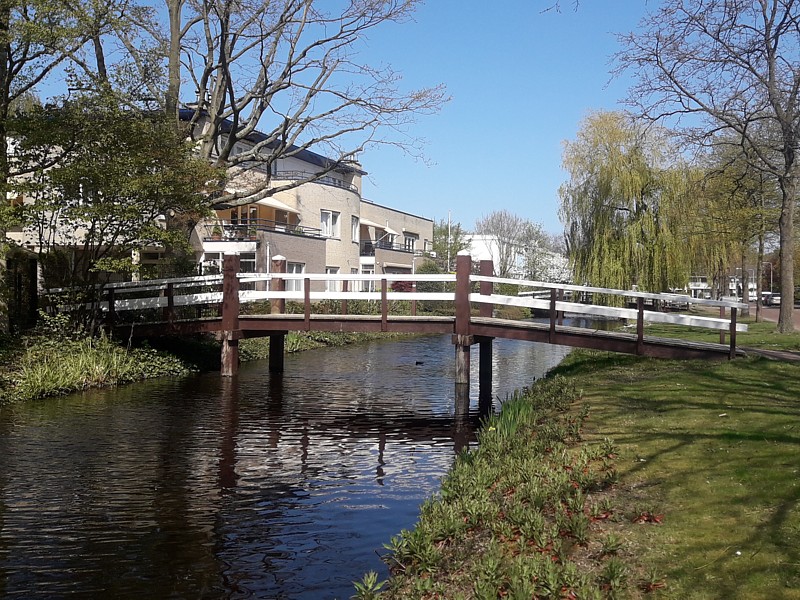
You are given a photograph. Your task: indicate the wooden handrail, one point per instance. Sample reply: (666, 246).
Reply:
(167, 295)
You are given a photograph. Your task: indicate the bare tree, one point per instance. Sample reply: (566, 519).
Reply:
(509, 239)
(728, 66)
(291, 70)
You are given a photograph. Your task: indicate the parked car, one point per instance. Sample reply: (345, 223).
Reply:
(773, 300)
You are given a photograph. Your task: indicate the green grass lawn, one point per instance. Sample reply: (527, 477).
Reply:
(715, 449)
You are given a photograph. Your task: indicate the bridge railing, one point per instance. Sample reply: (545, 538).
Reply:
(546, 296)
(553, 299)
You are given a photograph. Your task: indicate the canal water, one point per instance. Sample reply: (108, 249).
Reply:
(253, 487)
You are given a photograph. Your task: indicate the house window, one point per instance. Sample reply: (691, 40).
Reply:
(211, 263)
(295, 285)
(332, 286)
(410, 241)
(247, 262)
(368, 286)
(354, 229)
(329, 224)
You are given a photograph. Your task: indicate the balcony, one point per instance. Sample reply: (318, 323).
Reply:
(368, 247)
(324, 180)
(248, 229)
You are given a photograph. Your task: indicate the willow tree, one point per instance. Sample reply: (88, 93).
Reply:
(623, 207)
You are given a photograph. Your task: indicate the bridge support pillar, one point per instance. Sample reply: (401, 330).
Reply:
(277, 344)
(462, 344)
(277, 341)
(230, 355)
(230, 316)
(485, 376)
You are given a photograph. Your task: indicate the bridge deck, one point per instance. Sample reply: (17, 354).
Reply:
(598, 339)
(480, 327)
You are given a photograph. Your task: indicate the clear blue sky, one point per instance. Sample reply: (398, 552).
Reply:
(520, 80)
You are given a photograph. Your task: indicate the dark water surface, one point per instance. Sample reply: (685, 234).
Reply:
(254, 487)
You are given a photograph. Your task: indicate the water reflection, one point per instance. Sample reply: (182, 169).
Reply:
(256, 486)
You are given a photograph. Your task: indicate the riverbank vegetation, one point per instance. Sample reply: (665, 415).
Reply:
(54, 360)
(678, 479)
(515, 517)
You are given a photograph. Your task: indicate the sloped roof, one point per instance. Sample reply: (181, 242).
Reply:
(302, 154)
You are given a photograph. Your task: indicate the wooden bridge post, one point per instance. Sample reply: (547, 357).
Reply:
(732, 353)
(485, 370)
(640, 326)
(307, 303)
(169, 309)
(277, 341)
(230, 315)
(111, 315)
(384, 305)
(462, 339)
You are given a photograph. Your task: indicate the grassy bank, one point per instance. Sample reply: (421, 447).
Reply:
(52, 361)
(758, 335)
(703, 501)
(520, 517)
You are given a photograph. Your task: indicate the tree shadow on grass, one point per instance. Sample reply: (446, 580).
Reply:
(716, 443)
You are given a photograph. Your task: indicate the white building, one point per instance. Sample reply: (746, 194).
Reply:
(532, 263)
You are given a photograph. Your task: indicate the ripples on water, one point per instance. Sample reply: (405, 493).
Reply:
(255, 487)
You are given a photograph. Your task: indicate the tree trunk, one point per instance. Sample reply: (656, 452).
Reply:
(760, 271)
(5, 100)
(786, 229)
(171, 99)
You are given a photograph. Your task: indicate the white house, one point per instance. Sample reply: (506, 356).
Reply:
(524, 262)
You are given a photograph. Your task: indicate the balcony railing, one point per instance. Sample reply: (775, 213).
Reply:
(246, 229)
(368, 247)
(324, 180)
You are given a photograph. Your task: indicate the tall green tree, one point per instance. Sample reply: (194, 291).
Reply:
(624, 205)
(100, 179)
(449, 239)
(737, 212)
